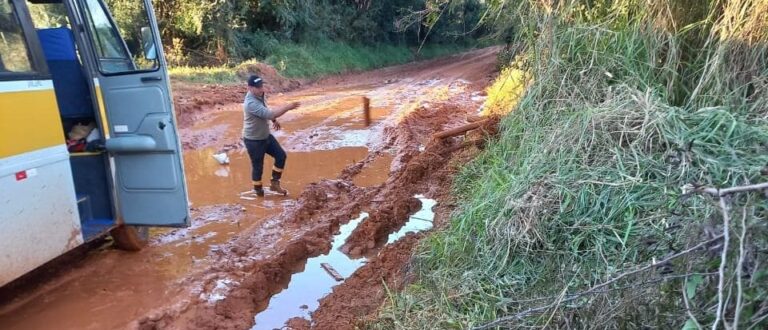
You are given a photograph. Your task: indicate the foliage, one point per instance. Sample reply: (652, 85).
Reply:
(506, 92)
(217, 32)
(204, 74)
(311, 61)
(631, 105)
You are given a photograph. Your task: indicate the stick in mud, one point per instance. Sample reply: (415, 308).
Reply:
(367, 111)
(459, 130)
(329, 269)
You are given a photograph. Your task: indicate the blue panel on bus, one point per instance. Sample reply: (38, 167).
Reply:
(58, 44)
(93, 194)
(72, 91)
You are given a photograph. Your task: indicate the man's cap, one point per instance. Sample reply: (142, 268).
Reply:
(255, 81)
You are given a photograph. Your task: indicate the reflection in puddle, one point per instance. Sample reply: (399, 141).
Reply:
(307, 288)
(419, 221)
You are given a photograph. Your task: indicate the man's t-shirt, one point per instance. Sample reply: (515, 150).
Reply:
(257, 117)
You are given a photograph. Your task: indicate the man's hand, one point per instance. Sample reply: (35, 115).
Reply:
(281, 110)
(276, 126)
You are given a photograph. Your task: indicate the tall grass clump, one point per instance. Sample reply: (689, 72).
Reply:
(599, 206)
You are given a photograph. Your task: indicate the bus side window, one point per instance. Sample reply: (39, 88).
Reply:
(48, 15)
(14, 53)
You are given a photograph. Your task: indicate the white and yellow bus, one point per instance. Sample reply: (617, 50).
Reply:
(88, 140)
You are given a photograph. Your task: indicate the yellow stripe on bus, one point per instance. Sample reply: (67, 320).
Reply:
(102, 112)
(29, 121)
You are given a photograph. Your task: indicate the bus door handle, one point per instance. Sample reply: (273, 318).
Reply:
(131, 144)
(151, 79)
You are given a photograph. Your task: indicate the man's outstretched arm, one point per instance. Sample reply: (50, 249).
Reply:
(281, 110)
(263, 112)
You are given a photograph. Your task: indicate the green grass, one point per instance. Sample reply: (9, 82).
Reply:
(324, 58)
(586, 181)
(315, 60)
(204, 75)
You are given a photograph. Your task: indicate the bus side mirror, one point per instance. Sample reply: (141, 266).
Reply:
(148, 44)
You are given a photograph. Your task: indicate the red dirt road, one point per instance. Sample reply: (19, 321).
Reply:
(223, 271)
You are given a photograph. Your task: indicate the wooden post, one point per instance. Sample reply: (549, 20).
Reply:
(367, 110)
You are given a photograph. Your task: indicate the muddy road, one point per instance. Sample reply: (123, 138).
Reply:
(360, 199)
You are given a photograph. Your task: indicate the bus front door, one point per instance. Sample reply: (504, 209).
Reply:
(136, 110)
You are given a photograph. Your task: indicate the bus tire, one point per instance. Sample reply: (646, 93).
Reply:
(130, 238)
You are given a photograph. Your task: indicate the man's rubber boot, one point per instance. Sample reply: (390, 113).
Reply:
(259, 191)
(275, 187)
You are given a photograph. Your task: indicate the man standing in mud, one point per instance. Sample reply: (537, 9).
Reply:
(257, 137)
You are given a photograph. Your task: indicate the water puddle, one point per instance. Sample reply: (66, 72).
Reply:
(221, 184)
(419, 221)
(308, 287)
(316, 281)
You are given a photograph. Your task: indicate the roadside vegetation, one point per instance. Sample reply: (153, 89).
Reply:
(626, 188)
(307, 38)
(314, 60)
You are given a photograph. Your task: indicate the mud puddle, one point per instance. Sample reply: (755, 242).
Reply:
(114, 286)
(306, 288)
(302, 168)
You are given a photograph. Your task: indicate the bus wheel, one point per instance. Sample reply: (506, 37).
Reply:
(130, 238)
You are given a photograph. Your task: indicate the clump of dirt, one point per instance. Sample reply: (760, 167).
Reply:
(395, 202)
(274, 81)
(191, 101)
(361, 295)
(298, 323)
(422, 172)
(384, 220)
(419, 123)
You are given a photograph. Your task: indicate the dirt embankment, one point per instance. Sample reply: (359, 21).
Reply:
(361, 295)
(258, 264)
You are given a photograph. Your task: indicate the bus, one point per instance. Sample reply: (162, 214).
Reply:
(88, 138)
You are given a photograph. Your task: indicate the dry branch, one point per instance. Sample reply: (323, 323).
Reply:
(596, 289)
(723, 261)
(460, 130)
(727, 191)
(725, 206)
